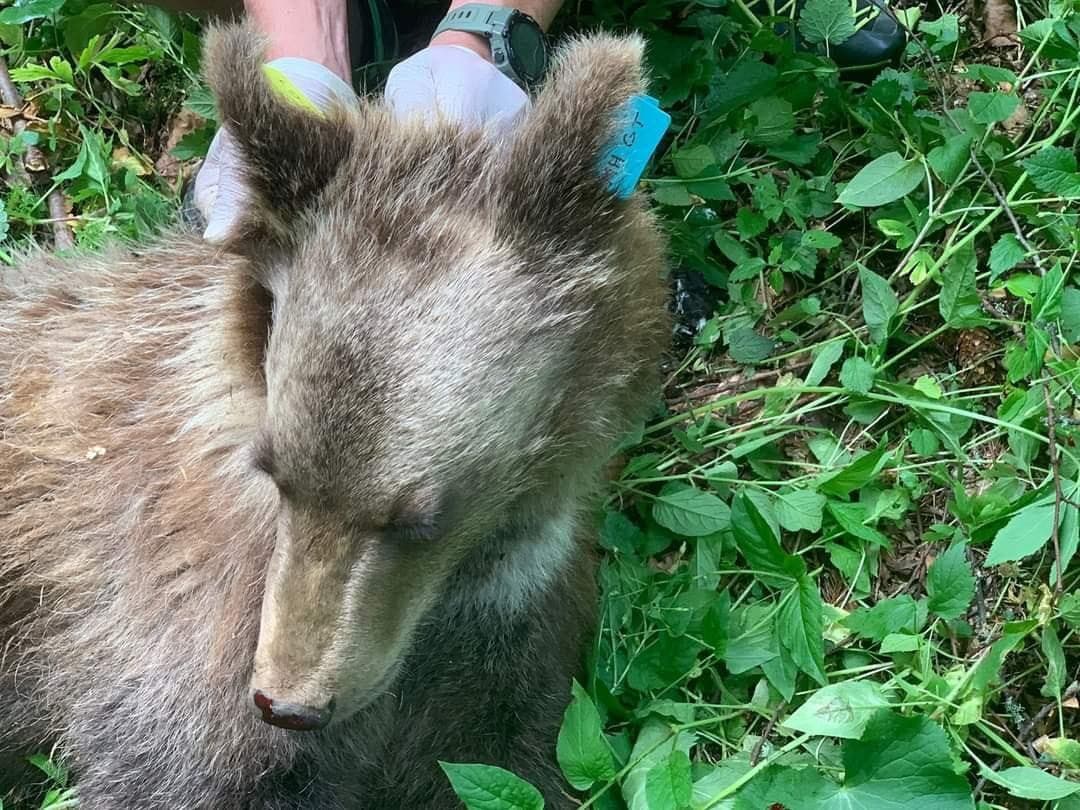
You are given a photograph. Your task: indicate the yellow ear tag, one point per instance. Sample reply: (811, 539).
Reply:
(283, 88)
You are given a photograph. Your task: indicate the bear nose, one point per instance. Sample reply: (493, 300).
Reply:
(293, 716)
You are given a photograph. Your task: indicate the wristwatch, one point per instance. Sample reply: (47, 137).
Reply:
(518, 46)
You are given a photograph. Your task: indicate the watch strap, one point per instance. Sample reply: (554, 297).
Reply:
(476, 18)
(489, 22)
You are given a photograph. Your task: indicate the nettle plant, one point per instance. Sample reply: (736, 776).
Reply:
(100, 83)
(839, 566)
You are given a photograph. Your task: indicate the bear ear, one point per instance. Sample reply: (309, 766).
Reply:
(289, 149)
(553, 177)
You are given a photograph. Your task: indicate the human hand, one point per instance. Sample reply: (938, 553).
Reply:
(457, 84)
(220, 193)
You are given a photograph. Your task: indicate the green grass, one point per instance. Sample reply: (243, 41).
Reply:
(830, 572)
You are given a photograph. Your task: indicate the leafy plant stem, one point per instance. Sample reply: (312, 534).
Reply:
(1055, 474)
(755, 770)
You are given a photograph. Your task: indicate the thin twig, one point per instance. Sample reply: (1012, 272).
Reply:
(755, 753)
(705, 389)
(1004, 203)
(1055, 471)
(34, 163)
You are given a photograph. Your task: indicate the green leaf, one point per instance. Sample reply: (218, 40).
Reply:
(825, 357)
(125, 56)
(900, 763)
(757, 540)
(777, 788)
(851, 518)
(201, 102)
(582, 750)
(711, 188)
(654, 745)
(619, 533)
(959, 303)
(819, 239)
(747, 346)
(899, 642)
(668, 785)
(992, 74)
(96, 168)
(750, 223)
(55, 772)
(751, 639)
(949, 159)
(858, 473)
(1070, 609)
(486, 787)
(879, 304)
(771, 121)
(1053, 170)
(1068, 534)
(1065, 751)
(34, 73)
(1070, 314)
(928, 387)
(1047, 303)
(800, 626)
(1027, 532)
(734, 251)
(748, 80)
(1005, 255)
(924, 442)
(1057, 671)
(29, 10)
(827, 21)
(950, 584)
(799, 149)
(857, 375)
(691, 512)
(897, 614)
(1032, 783)
(988, 670)
(693, 160)
(839, 710)
(781, 673)
(800, 510)
(944, 32)
(1050, 37)
(75, 170)
(882, 181)
(673, 194)
(990, 108)
(195, 144)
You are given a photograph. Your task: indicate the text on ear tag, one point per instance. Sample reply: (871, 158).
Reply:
(640, 131)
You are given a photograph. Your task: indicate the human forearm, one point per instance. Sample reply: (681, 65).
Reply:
(310, 29)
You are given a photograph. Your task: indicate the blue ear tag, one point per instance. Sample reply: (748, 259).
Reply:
(639, 133)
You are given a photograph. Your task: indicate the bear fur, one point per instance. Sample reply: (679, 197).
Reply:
(393, 388)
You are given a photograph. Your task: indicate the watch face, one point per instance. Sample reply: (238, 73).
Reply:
(526, 46)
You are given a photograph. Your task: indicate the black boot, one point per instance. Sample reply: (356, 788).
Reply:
(877, 44)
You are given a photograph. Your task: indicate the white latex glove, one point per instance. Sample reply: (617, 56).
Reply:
(456, 84)
(220, 193)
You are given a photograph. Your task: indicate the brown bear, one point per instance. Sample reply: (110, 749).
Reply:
(334, 474)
